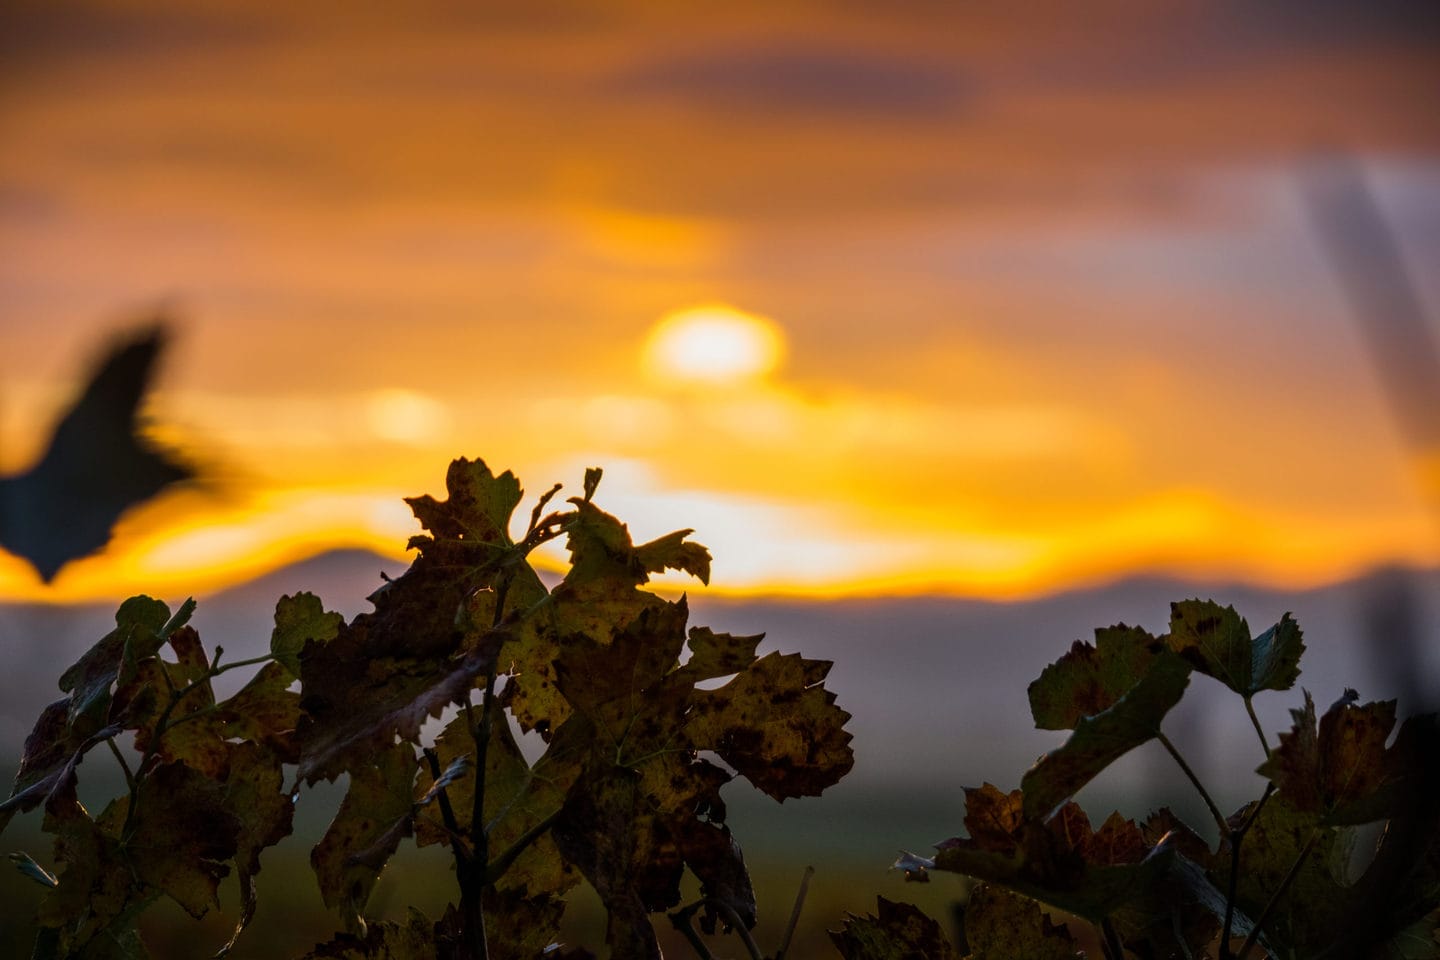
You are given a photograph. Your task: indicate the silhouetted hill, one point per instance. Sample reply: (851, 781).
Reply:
(937, 685)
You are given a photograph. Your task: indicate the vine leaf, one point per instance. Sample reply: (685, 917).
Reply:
(1103, 738)
(1340, 768)
(1091, 679)
(387, 671)
(1217, 641)
(182, 833)
(255, 796)
(97, 890)
(896, 931)
(1000, 925)
(599, 597)
(265, 711)
(1313, 909)
(300, 619)
(142, 702)
(777, 725)
(138, 633)
(1059, 860)
(47, 766)
(373, 818)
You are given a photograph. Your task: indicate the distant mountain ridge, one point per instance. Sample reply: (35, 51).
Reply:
(937, 685)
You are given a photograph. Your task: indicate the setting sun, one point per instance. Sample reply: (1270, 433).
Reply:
(713, 344)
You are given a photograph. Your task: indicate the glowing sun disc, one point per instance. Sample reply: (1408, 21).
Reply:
(713, 344)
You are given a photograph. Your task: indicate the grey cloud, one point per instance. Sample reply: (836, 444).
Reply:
(796, 78)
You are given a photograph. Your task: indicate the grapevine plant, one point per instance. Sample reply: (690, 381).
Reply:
(624, 695)
(1281, 882)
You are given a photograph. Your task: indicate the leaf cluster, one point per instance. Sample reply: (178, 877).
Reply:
(628, 699)
(1279, 880)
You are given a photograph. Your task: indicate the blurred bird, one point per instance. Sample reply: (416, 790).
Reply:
(96, 467)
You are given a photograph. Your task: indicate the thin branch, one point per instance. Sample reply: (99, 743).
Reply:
(795, 913)
(732, 918)
(497, 867)
(680, 919)
(1237, 836)
(120, 758)
(1255, 721)
(216, 671)
(1112, 940)
(1204, 794)
(1279, 893)
(447, 813)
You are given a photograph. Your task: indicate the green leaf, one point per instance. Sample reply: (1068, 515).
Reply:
(363, 835)
(897, 931)
(1102, 739)
(301, 619)
(1216, 640)
(1000, 925)
(1342, 770)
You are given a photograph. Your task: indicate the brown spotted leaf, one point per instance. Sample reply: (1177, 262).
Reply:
(266, 711)
(349, 858)
(1100, 740)
(1216, 641)
(896, 931)
(354, 704)
(181, 834)
(777, 725)
(1060, 860)
(97, 888)
(255, 796)
(1091, 679)
(1341, 768)
(1313, 909)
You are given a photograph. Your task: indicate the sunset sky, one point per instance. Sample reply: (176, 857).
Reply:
(897, 298)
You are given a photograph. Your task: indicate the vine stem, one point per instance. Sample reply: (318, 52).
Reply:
(476, 875)
(1255, 722)
(680, 919)
(795, 914)
(120, 758)
(1237, 836)
(1112, 946)
(1280, 892)
(163, 725)
(1204, 794)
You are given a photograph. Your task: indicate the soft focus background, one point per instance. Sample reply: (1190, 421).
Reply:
(954, 332)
